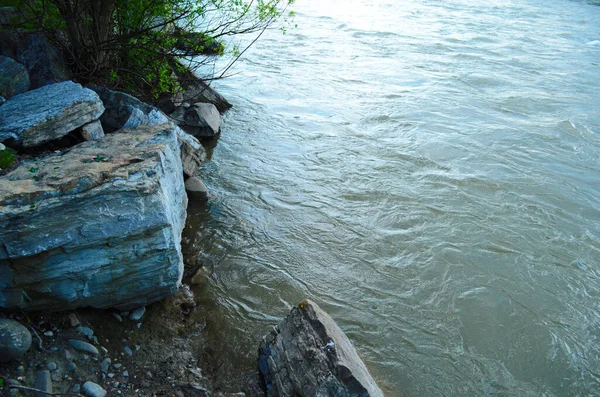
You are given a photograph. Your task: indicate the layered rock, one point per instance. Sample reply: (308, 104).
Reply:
(97, 226)
(47, 113)
(14, 78)
(308, 355)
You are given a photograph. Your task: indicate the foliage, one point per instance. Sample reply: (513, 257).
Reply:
(142, 46)
(7, 158)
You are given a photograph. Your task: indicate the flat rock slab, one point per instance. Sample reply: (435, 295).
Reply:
(47, 113)
(308, 355)
(99, 225)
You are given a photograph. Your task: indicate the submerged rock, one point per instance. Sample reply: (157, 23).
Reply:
(97, 226)
(308, 355)
(47, 113)
(15, 340)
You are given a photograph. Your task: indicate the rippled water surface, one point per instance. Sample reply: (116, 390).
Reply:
(427, 171)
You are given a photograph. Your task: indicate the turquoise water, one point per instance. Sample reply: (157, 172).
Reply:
(428, 172)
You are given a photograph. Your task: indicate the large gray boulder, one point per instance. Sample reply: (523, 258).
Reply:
(47, 113)
(14, 78)
(97, 226)
(308, 355)
(15, 340)
(201, 120)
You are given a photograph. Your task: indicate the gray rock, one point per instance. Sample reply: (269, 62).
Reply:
(309, 355)
(20, 369)
(47, 113)
(125, 374)
(86, 331)
(128, 351)
(76, 388)
(137, 314)
(49, 333)
(82, 346)
(193, 154)
(196, 189)
(202, 120)
(72, 367)
(105, 364)
(92, 131)
(51, 366)
(120, 205)
(117, 365)
(15, 340)
(14, 78)
(43, 381)
(92, 389)
(197, 90)
(43, 61)
(118, 317)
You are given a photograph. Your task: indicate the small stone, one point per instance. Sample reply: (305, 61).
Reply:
(68, 355)
(82, 346)
(15, 340)
(92, 389)
(74, 320)
(13, 392)
(117, 365)
(125, 374)
(92, 131)
(138, 325)
(196, 189)
(51, 366)
(105, 364)
(88, 332)
(103, 350)
(13, 382)
(116, 385)
(137, 314)
(72, 367)
(20, 369)
(124, 314)
(118, 317)
(76, 388)
(2, 100)
(137, 347)
(49, 333)
(110, 375)
(127, 350)
(43, 381)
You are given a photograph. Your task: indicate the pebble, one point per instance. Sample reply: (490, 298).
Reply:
(85, 356)
(92, 389)
(125, 374)
(74, 320)
(137, 347)
(137, 314)
(48, 333)
(117, 365)
(103, 350)
(116, 385)
(110, 375)
(72, 367)
(68, 355)
(105, 364)
(76, 388)
(20, 369)
(15, 340)
(13, 393)
(127, 350)
(51, 366)
(88, 332)
(43, 381)
(83, 346)
(118, 317)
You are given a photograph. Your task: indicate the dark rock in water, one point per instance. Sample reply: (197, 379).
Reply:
(120, 206)
(15, 340)
(196, 189)
(47, 113)
(202, 120)
(43, 61)
(43, 381)
(14, 78)
(308, 355)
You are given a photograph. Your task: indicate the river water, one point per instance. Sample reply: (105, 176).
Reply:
(428, 172)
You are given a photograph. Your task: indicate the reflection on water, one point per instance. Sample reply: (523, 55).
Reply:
(428, 173)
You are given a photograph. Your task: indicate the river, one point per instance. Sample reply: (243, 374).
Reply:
(428, 172)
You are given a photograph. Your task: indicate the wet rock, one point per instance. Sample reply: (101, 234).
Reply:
(120, 206)
(201, 120)
(92, 389)
(82, 346)
(14, 78)
(137, 314)
(105, 364)
(47, 113)
(92, 131)
(125, 374)
(43, 381)
(309, 355)
(196, 189)
(15, 340)
(49, 333)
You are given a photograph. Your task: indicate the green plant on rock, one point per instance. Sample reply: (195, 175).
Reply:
(141, 46)
(7, 158)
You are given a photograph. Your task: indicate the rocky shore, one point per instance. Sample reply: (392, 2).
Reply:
(94, 287)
